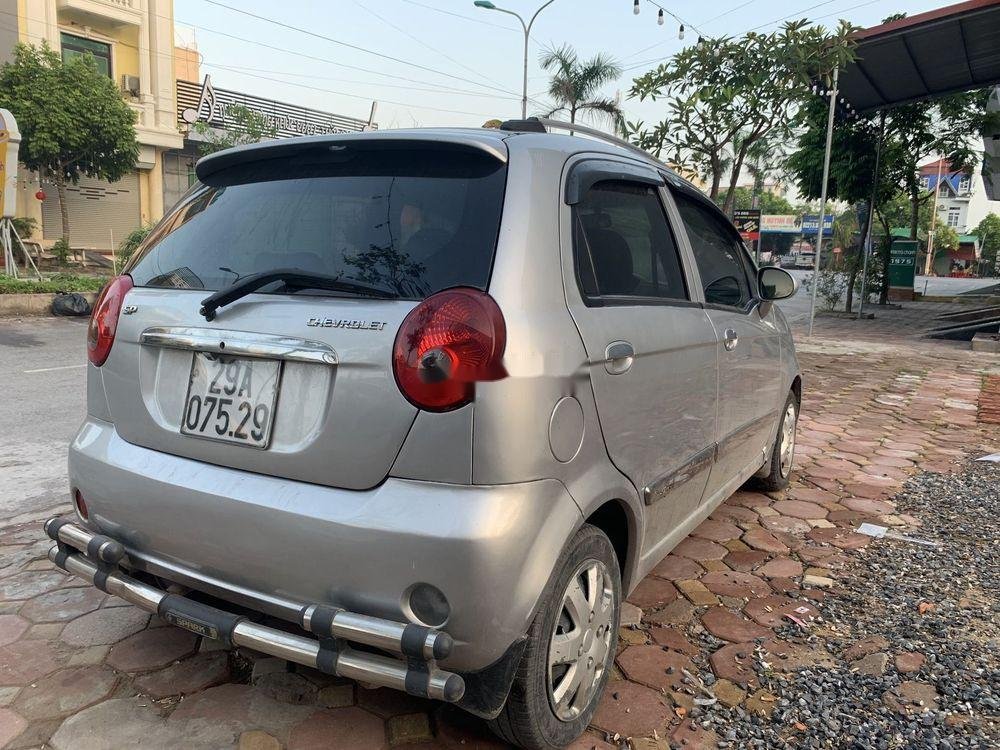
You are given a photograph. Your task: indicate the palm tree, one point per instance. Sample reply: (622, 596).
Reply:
(575, 86)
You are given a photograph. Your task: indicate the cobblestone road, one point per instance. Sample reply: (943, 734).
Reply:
(80, 670)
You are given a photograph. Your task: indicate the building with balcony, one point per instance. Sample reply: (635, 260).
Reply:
(132, 42)
(962, 201)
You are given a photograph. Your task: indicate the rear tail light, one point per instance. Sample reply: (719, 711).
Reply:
(104, 319)
(446, 344)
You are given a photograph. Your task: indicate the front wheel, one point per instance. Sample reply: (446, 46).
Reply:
(570, 650)
(774, 475)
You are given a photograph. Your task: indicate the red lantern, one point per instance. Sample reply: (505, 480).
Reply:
(40, 195)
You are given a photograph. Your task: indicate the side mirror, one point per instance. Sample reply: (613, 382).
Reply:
(776, 283)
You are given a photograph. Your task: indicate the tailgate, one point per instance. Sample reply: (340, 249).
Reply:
(338, 418)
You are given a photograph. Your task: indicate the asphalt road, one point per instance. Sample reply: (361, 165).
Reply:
(42, 402)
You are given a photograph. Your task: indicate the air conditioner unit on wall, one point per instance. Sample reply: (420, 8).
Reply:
(130, 85)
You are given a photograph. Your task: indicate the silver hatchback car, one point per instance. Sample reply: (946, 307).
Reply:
(438, 399)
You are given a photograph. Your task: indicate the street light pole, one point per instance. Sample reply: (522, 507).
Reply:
(487, 5)
(822, 200)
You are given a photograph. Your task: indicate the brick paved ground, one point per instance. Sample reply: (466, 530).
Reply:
(81, 670)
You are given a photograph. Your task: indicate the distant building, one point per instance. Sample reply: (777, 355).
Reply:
(131, 41)
(199, 101)
(962, 198)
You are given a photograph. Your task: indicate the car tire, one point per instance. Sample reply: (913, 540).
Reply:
(532, 717)
(779, 468)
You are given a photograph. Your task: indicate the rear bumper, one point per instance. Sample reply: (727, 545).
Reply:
(95, 559)
(274, 545)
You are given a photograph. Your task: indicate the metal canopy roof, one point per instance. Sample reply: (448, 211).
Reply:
(932, 54)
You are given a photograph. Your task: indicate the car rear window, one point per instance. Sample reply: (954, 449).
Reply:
(412, 221)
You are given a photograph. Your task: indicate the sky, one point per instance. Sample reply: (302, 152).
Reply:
(446, 62)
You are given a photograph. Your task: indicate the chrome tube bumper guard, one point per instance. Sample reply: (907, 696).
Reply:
(95, 558)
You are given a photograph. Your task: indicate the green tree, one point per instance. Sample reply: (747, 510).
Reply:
(73, 120)
(852, 170)
(248, 126)
(767, 202)
(988, 232)
(575, 86)
(724, 96)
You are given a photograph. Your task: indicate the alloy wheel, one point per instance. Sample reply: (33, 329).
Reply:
(788, 439)
(581, 640)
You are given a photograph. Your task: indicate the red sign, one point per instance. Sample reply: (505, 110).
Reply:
(747, 223)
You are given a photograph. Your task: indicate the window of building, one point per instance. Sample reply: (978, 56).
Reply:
(76, 46)
(718, 252)
(624, 246)
(965, 184)
(954, 214)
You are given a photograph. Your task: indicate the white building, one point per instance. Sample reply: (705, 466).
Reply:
(962, 200)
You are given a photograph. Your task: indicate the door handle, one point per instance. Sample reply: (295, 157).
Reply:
(618, 357)
(730, 339)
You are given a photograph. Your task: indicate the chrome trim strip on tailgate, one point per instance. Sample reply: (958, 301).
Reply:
(240, 343)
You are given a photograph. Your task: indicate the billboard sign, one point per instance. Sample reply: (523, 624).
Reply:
(902, 263)
(213, 106)
(780, 224)
(747, 223)
(810, 224)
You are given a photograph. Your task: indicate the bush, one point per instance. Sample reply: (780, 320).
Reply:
(132, 240)
(831, 287)
(59, 282)
(25, 227)
(61, 250)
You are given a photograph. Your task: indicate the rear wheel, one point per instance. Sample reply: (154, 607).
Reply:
(783, 454)
(570, 650)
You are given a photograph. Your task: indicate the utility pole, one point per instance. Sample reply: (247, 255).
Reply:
(929, 262)
(822, 199)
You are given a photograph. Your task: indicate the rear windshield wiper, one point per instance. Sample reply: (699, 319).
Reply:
(294, 278)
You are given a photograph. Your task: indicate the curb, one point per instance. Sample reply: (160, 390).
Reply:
(14, 305)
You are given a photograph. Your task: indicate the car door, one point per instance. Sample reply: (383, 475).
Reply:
(651, 349)
(749, 345)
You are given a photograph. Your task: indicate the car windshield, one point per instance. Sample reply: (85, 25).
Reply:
(414, 222)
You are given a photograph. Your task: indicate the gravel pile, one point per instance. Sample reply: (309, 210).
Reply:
(913, 638)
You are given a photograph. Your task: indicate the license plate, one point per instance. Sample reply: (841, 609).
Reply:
(231, 399)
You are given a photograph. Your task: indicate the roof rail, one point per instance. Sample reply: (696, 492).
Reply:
(545, 124)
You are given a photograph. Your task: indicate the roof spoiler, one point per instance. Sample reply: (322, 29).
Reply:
(369, 141)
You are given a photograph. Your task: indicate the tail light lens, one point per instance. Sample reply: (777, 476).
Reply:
(446, 344)
(104, 319)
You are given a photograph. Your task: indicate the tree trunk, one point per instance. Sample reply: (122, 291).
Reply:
(914, 212)
(883, 294)
(60, 182)
(857, 264)
(727, 207)
(851, 278)
(716, 166)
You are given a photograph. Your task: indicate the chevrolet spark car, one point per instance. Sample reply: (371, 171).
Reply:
(436, 399)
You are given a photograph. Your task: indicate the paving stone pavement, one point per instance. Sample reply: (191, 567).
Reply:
(79, 670)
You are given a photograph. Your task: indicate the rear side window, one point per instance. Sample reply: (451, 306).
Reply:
(718, 253)
(410, 221)
(623, 244)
